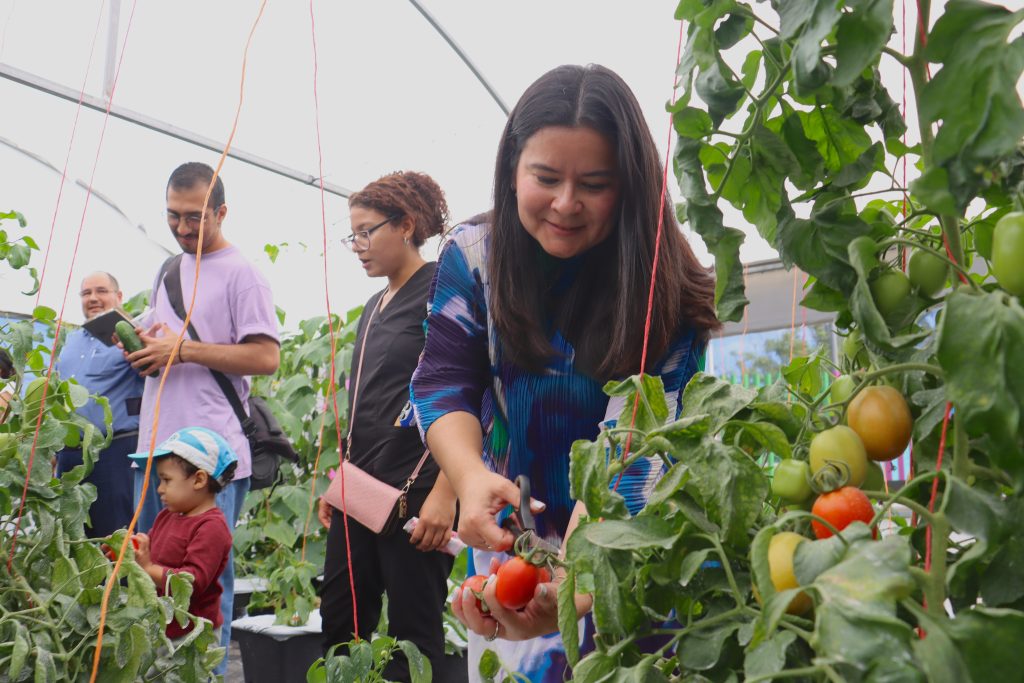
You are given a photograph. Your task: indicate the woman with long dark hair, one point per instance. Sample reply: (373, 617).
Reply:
(534, 307)
(391, 218)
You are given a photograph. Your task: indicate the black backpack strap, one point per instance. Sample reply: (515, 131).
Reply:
(171, 277)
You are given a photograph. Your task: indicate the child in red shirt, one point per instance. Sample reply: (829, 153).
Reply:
(190, 534)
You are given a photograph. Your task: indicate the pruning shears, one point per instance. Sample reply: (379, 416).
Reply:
(523, 526)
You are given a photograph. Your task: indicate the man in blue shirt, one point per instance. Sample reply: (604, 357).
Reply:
(104, 371)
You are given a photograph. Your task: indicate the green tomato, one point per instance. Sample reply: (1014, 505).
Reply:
(6, 440)
(853, 349)
(1008, 253)
(875, 479)
(842, 447)
(889, 290)
(841, 388)
(791, 481)
(927, 272)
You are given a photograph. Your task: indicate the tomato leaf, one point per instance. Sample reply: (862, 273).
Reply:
(759, 565)
(670, 482)
(768, 657)
(419, 666)
(720, 400)
(986, 640)
(988, 395)
(860, 38)
(568, 623)
(730, 484)
(638, 533)
(986, 119)
(856, 618)
(691, 122)
(646, 396)
(706, 220)
(814, 557)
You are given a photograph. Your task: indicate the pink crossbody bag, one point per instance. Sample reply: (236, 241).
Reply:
(378, 506)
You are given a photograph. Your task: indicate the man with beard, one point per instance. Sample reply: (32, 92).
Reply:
(236, 323)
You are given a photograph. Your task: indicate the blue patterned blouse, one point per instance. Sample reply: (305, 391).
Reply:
(529, 420)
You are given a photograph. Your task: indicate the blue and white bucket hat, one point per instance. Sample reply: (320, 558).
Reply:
(200, 446)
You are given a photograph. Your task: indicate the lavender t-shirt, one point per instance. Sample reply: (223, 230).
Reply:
(234, 302)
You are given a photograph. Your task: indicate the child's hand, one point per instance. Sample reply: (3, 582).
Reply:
(141, 543)
(112, 554)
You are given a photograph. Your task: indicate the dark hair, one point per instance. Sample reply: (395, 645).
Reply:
(6, 365)
(603, 312)
(214, 486)
(190, 174)
(407, 193)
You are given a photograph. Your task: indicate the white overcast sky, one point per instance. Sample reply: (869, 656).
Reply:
(393, 96)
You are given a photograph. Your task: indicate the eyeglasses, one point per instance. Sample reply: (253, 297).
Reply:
(192, 220)
(360, 241)
(99, 291)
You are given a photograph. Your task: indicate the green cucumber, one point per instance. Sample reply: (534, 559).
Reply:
(126, 333)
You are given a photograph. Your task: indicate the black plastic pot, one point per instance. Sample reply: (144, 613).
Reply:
(275, 655)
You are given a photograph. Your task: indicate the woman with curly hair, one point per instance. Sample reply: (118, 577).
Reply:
(390, 219)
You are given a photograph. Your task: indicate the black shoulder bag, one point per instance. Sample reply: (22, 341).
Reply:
(267, 440)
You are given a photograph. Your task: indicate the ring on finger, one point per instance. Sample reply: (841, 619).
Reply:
(493, 636)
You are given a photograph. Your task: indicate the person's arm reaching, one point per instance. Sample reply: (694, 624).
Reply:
(455, 441)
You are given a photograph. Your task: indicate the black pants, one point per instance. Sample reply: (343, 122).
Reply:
(113, 477)
(416, 584)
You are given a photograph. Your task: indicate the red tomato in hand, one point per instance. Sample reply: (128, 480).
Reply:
(475, 585)
(839, 508)
(517, 580)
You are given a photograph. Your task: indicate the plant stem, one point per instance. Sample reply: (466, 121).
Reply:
(935, 586)
(740, 602)
(888, 370)
(961, 448)
(896, 497)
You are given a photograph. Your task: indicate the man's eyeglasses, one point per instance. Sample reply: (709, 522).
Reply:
(192, 220)
(360, 241)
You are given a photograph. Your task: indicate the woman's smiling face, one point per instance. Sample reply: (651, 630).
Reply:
(567, 189)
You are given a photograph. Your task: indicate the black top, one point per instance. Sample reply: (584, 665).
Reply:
(396, 338)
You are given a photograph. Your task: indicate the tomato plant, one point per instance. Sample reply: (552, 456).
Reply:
(53, 579)
(783, 116)
(516, 582)
(881, 418)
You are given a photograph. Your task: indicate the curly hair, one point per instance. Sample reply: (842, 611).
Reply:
(407, 193)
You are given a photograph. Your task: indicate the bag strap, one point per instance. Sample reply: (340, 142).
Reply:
(355, 398)
(171, 276)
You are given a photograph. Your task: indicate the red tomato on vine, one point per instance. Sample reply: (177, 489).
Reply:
(840, 508)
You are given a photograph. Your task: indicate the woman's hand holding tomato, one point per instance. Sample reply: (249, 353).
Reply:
(539, 615)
